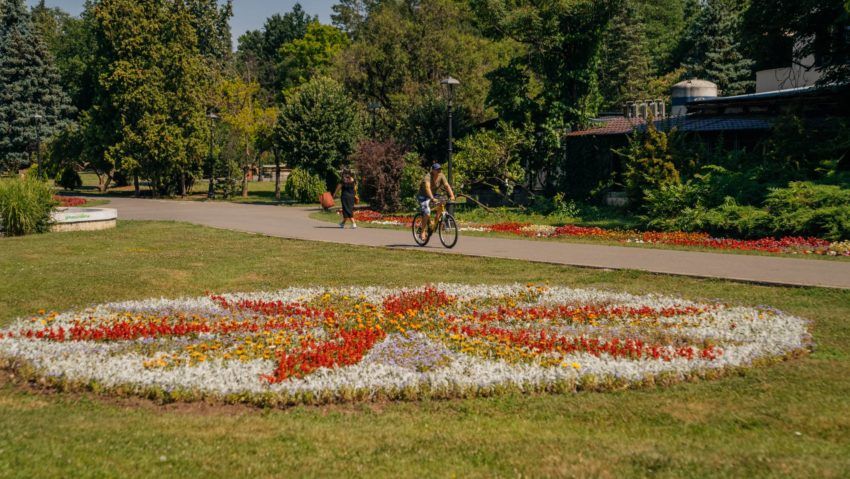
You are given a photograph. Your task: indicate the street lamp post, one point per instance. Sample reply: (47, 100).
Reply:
(211, 193)
(373, 108)
(38, 119)
(449, 84)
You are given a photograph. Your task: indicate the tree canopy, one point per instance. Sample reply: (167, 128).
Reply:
(33, 105)
(563, 40)
(148, 117)
(318, 127)
(714, 47)
(144, 75)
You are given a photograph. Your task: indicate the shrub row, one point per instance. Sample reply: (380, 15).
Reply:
(800, 209)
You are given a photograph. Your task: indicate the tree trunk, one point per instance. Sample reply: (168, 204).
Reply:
(103, 181)
(245, 170)
(245, 182)
(276, 176)
(182, 185)
(138, 191)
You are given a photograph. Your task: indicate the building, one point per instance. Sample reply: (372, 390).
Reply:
(736, 122)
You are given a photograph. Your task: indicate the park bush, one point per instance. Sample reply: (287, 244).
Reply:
(649, 164)
(674, 207)
(811, 209)
(738, 221)
(557, 206)
(411, 177)
(491, 159)
(25, 206)
(800, 209)
(303, 187)
(381, 167)
(69, 179)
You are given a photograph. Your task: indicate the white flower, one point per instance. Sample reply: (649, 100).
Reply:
(742, 335)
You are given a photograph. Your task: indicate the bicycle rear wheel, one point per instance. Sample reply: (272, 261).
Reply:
(449, 231)
(420, 224)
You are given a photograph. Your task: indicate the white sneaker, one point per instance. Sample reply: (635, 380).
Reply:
(354, 226)
(342, 225)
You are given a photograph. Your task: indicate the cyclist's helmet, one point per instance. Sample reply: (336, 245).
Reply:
(436, 167)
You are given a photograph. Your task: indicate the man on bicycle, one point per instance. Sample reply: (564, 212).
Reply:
(432, 184)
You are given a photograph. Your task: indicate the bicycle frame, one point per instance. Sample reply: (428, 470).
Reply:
(439, 212)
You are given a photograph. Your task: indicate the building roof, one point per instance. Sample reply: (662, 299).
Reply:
(624, 126)
(789, 92)
(810, 101)
(615, 125)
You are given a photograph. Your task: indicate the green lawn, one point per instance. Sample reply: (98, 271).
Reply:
(259, 192)
(788, 420)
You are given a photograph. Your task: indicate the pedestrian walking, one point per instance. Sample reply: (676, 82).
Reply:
(347, 191)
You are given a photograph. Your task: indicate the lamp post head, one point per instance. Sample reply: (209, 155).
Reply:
(212, 116)
(449, 84)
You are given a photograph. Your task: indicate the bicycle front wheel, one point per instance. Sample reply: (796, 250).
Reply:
(449, 231)
(420, 225)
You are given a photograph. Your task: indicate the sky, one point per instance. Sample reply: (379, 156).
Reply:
(247, 14)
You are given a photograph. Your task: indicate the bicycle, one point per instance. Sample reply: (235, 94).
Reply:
(446, 227)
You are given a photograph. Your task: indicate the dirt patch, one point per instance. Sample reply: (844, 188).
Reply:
(40, 394)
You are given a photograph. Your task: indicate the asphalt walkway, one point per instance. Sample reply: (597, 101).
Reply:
(295, 223)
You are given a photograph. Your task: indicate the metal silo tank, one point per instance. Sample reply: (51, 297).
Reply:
(690, 90)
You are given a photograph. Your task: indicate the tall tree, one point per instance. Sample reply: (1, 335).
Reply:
(73, 49)
(781, 31)
(403, 49)
(32, 103)
(303, 58)
(349, 15)
(148, 117)
(211, 21)
(625, 62)
(241, 110)
(563, 39)
(663, 23)
(259, 49)
(714, 47)
(49, 23)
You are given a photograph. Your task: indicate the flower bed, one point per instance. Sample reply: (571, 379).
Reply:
(318, 346)
(788, 245)
(70, 201)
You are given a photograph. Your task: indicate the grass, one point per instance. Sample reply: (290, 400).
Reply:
(599, 216)
(786, 420)
(259, 192)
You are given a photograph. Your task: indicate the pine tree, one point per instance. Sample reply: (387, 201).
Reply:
(663, 23)
(714, 47)
(625, 62)
(32, 103)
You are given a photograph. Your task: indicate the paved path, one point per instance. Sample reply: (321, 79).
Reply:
(293, 222)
